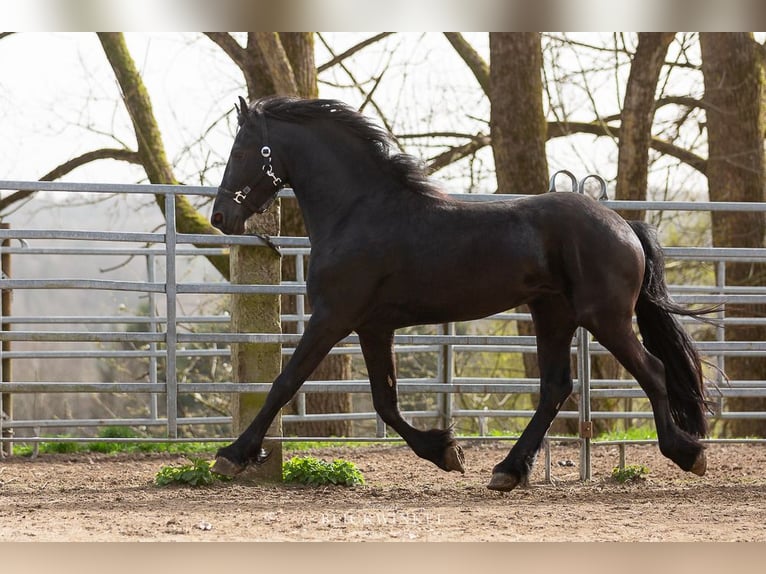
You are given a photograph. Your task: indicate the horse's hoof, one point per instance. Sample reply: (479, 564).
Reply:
(225, 467)
(454, 458)
(503, 482)
(700, 465)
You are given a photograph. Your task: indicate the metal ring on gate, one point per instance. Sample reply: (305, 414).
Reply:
(602, 196)
(567, 173)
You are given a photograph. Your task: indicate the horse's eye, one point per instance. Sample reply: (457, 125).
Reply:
(238, 155)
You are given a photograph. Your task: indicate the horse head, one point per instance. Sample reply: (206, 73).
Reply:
(249, 184)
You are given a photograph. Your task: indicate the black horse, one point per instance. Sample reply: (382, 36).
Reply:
(390, 250)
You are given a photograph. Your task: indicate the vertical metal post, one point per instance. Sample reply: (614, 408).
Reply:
(583, 366)
(152, 278)
(447, 360)
(171, 376)
(586, 424)
(720, 332)
(6, 400)
(547, 450)
(300, 326)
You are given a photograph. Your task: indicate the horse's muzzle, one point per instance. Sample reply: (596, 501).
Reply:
(229, 224)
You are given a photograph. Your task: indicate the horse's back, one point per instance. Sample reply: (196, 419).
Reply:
(561, 244)
(593, 249)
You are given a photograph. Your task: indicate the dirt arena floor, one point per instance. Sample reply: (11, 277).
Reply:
(113, 498)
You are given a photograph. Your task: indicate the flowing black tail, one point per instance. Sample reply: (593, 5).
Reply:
(665, 338)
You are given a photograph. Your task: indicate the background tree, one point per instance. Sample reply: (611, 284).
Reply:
(518, 127)
(732, 65)
(637, 118)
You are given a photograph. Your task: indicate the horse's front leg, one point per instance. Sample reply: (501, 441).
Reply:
(436, 445)
(317, 341)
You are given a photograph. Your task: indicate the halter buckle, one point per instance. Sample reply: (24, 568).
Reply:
(239, 196)
(269, 170)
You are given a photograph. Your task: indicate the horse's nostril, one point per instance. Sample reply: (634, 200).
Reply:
(217, 219)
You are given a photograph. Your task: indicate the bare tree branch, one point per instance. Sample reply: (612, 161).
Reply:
(358, 85)
(230, 46)
(471, 57)
(686, 101)
(562, 129)
(351, 51)
(72, 164)
(434, 135)
(151, 148)
(250, 60)
(457, 153)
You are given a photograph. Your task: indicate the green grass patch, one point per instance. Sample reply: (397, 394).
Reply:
(106, 447)
(633, 433)
(111, 447)
(61, 447)
(175, 447)
(301, 470)
(314, 472)
(631, 473)
(310, 445)
(198, 473)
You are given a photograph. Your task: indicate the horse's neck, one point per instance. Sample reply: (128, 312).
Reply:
(328, 206)
(330, 191)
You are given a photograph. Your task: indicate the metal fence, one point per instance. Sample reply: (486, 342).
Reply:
(167, 334)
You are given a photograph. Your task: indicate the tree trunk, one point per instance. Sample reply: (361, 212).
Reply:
(635, 140)
(517, 120)
(734, 95)
(637, 118)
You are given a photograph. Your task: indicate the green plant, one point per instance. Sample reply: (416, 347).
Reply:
(61, 447)
(177, 447)
(311, 471)
(645, 432)
(119, 447)
(197, 473)
(112, 432)
(630, 473)
(301, 445)
(57, 447)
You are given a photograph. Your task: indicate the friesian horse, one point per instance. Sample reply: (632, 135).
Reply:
(389, 250)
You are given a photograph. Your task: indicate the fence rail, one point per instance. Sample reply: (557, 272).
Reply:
(169, 334)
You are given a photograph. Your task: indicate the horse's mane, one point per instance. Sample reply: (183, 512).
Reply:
(404, 168)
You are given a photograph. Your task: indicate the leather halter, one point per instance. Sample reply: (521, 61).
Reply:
(240, 196)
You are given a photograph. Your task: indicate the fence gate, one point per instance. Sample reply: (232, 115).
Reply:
(183, 347)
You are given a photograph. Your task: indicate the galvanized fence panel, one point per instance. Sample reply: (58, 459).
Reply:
(167, 340)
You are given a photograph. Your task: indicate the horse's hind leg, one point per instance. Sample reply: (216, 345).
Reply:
(554, 327)
(618, 337)
(436, 445)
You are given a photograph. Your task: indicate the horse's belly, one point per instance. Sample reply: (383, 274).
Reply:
(459, 300)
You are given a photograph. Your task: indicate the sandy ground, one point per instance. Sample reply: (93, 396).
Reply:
(113, 498)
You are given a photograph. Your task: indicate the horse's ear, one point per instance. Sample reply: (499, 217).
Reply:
(242, 111)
